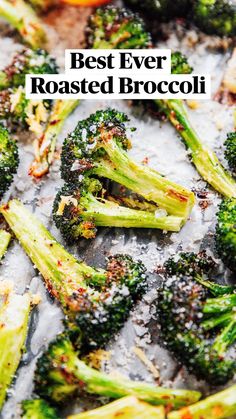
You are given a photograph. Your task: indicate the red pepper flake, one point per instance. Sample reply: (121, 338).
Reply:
(178, 195)
(59, 263)
(179, 127)
(145, 160)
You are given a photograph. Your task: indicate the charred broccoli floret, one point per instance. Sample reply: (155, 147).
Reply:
(230, 150)
(216, 16)
(226, 233)
(179, 63)
(23, 18)
(27, 61)
(60, 374)
(197, 319)
(79, 210)
(8, 159)
(38, 409)
(96, 301)
(164, 9)
(117, 28)
(98, 146)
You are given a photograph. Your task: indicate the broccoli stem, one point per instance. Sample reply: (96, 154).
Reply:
(175, 199)
(38, 409)
(23, 18)
(226, 337)
(45, 146)
(61, 271)
(215, 288)
(105, 213)
(125, 408)
(5, 239)
(220, 405)
(220, 305)
(203, 158)
(3, 80)
(222, 320)
(14, 316)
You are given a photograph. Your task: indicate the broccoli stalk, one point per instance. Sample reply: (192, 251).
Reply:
(22, 17)
(60, 373)
(96, 302)
(124, 408)
(8, 160)
(14, 316)
(98, 146)
(79, 210)
(226, 233)
(220, 405)
(46, 144)
(38, 409)
(5, 239)
(204, 159)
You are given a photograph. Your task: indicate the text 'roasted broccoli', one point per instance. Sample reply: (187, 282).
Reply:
(96, 301)
(226, 233)
(197, 318)
(8, 160)
(98, 146)
(60, 374)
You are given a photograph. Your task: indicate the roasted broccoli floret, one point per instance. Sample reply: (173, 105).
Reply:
(226, 233)
(124, 408)
(5, 239)
(46, 144)
(23, 18)
(8, 159)
(96, 302)
(161, 9)
(179, 63)
(24, 62)
(117, 28)
(38, 409)
(14, 316)
(197, 319)
(220, 405)
(230, 151)
(98, 146)
(216, 16)
(60, 374)
(202, 156)
(78, 210)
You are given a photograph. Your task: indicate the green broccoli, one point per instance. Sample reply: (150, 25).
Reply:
(215, 16)
(14, 317)
(230, 151)
(203, 157)
(98, 146)
(116, 28)
(8, 160)
(60, 374)
(124, 408)
(27, 61)
(161, 9)
(23, 18)
(38, 409)
(197, 318)
(179, 63)
(46, 144)
(96, 301)
(220, 405)
(226, 233)
(5, 239)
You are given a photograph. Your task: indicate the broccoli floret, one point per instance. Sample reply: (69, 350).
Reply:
(14, 316)
(78, 210)
(45, 145)
(221, 405)
(161, 9)
(226, 233)
(27, 61)
(116, 28)
(38, 409)
(23, 18)
(230, 150)
(60, 374)
(203, 157)
(190, 313)
(216, 16)
(96, 301)
(124, 408)
(98, 146)
(179, 63)
(8, 159)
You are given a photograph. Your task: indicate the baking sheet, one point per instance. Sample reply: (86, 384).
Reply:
(159, 143)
